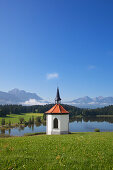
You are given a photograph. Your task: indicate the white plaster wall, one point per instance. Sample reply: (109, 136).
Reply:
(49, 124)
(63, 124)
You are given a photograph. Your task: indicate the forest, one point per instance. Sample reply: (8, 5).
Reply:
(74, 111)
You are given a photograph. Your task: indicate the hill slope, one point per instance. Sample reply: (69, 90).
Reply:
(73, 151)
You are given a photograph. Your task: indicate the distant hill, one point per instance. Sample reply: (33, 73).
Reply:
(17, 96)
(87, 102)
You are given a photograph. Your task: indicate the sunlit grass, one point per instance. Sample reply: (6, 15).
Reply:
(74, 151)
(14, 118)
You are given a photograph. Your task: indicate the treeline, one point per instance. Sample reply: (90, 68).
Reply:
(74, 111)
(108, 110)
(18, 109)
(14, 109)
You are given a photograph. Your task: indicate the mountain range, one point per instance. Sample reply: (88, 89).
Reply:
(88, 102)
(17, 96)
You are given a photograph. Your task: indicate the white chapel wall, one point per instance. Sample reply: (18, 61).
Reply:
(63, 124)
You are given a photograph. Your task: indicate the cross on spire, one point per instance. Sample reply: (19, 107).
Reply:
(57, 99)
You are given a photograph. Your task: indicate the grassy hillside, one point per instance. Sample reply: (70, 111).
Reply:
(14, 118)
(74, 151)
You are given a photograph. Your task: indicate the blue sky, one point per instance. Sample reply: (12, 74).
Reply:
(45, 43)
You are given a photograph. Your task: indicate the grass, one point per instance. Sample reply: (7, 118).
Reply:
(104, 115)
(15, 118)
(74, 151)
(4, 135)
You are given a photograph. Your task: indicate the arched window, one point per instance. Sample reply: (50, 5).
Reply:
(55, 124)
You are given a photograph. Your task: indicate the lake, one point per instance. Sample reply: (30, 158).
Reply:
(76, 125)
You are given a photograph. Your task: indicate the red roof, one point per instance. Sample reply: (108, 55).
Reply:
(57, 108)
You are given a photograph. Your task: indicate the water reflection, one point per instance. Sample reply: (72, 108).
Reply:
(9, 131)
(85, 124)
(88, 124)
(32, 127)
(92, 119)
(21, 127)
(2, 131)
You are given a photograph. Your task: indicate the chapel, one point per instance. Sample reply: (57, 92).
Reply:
(57, 118)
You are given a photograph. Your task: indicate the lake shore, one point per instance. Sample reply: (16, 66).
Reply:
(76, 124)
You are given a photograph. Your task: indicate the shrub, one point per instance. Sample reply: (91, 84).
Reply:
(26, 123)
(9, 123)
(38, 119)
(3, 122)
(21, 120)
(97, 130)
(30, 121)
(44, 117)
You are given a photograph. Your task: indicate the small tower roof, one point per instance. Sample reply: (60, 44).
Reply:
(56, 109)
(57, 99)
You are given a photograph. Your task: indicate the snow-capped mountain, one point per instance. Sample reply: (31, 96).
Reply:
(17, 96)
(23, 95)
(87, 102)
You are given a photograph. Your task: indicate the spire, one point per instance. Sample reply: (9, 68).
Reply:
(57, 99)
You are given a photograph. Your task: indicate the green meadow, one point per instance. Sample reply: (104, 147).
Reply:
(14, 118)
(74, 151)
